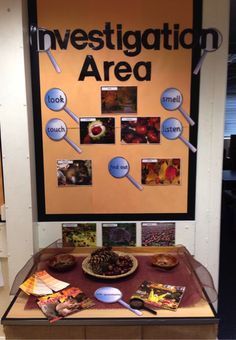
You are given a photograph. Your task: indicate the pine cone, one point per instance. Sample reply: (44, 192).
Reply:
(101, 258)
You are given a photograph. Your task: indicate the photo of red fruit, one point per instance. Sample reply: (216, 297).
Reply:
(97, 130)
(139, 140)
(153, 136)
(141, 130)
(128, 135)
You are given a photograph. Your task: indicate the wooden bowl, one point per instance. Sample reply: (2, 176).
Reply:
(88, 270)
(62, 262)
(164, 261)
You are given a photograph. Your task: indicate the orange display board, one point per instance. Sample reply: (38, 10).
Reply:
(115, 107)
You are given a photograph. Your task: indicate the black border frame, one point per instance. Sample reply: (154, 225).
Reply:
(194, 107)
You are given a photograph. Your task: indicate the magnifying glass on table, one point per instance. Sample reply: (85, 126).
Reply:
(137, 303)
(172, 99)
(56, 130)
(47, 48)
(209, 48)
(111, 295)
(119, 168)
(55, 99)
(172, 129)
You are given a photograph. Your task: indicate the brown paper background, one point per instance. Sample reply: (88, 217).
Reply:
(170, 68)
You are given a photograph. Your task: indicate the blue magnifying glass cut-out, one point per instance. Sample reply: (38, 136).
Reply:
(56, 130)
(172, 99)
(55, 99)
(119, 167)
(172, 129)
(111, 295)
(47, 48)
(208, 48)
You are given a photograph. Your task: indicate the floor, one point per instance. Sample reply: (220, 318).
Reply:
(227, 276)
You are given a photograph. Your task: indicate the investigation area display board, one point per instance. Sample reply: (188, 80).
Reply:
(115, 94)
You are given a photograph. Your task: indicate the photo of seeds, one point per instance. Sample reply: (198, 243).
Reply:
(141, 130)
(158, 234)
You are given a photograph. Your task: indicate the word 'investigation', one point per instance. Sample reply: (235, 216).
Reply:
(132, 43)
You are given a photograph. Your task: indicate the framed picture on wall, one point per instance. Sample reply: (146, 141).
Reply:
(115, 90)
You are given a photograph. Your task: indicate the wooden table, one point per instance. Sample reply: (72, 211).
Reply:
(193, 322)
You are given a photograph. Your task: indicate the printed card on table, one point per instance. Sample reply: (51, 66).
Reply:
(41, 283)
(160, 295)
(59, 305)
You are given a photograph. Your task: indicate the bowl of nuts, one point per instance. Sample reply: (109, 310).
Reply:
(108, 264)
(62, 262)
(164, 261)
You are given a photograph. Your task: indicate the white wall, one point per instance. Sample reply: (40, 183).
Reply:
(211, 139)
(16, 132)
(201, 237)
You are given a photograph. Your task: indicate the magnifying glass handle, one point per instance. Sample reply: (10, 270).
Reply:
(150, 310)
(53, 61)
(74, 146)
(199, 64)
(71, 114)
(189, 145)
(186, 116)
(126, 305)
(134, 182)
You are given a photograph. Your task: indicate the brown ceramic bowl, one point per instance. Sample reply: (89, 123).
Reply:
(62, 262)
(164, 261)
